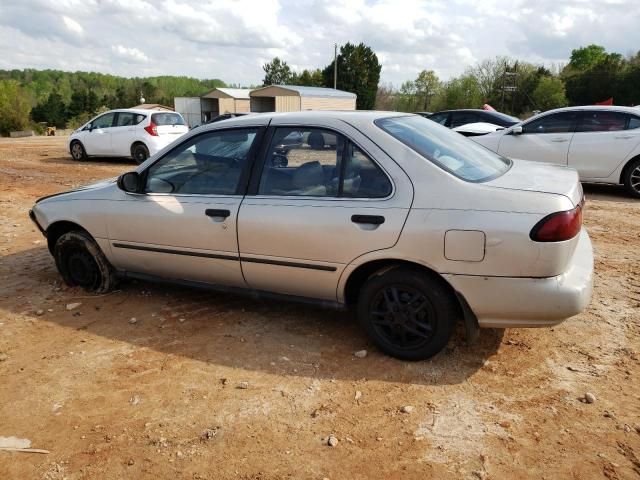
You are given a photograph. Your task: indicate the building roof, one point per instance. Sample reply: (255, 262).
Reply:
(238, 93)
(152, 106)
(313, 91)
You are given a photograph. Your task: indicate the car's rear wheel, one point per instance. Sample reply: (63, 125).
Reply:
(139, 152)
(632, 178)
(407, 313)
(82, 264)
(77, 151)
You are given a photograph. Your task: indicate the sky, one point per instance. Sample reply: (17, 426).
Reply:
(231, 40)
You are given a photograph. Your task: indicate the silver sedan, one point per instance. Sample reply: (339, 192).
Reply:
(410, 224)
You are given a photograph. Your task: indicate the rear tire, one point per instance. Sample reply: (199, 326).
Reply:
(77, 151)
(632, 178)
(139, 152)
(406, 313)
(82, 264)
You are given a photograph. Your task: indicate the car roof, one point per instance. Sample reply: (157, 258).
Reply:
(143, 111)
(604, 108)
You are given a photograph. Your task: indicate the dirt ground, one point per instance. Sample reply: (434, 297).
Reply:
(160, 398)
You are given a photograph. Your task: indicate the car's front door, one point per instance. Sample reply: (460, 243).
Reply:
(183, 224)
(602, 141)
(318, 202)
(123, 133)
(97, 140)
(543, 139)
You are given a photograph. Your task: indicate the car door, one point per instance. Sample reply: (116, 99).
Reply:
(602, 141)
(543, 139)
(321, 197)
(123, 133)
(183, 223)
(97, 139)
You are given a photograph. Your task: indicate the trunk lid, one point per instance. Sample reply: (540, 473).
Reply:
(169, 123)
(541, 177)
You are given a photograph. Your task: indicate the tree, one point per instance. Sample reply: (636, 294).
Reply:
(309, 78)
(460, 92)
(586, 57)
(358, 72)
(549, 93)
(277, 72)
(53, 111)
(426, 86)
(14, 107)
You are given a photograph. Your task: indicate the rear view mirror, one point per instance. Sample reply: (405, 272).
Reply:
(129, 182)
(517, 130)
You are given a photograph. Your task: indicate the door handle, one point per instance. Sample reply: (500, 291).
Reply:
(559, 140)
(370, 219)
(213, 212)
(623, 137)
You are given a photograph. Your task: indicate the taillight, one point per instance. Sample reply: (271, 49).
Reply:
(152, 129)
(558, 226)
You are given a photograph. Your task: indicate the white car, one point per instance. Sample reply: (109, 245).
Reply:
(407, 222)
(601, 142)
(135, 133)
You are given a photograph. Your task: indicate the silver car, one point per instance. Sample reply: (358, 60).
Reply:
(407, 222)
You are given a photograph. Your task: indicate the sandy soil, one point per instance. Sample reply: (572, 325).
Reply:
(111, 399)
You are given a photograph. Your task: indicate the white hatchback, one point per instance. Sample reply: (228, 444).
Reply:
(602, 143)
(136, 133)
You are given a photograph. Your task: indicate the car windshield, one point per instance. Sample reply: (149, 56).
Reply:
(446, 148)
(167, 119)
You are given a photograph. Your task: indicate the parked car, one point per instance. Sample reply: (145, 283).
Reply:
(423, 114)
(135, 133)
(225, 116)
(477, 129)
(457, 118)
(601, 142)
(391, 214)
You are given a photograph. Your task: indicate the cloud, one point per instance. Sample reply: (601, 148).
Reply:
(232, 39)
(131, 54)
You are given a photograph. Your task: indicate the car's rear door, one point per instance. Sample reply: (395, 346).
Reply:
(97, 140)
(123, 133)
(602, 141)
(543, 139)
(323, 196)
(183, 225)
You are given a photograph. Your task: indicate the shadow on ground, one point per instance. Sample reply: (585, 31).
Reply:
(229, 330)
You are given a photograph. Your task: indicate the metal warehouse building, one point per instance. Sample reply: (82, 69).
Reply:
(291, 98)
(228, 100)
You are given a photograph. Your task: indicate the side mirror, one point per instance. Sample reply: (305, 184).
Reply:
(90, 127)
(129, 182)
(517, 130)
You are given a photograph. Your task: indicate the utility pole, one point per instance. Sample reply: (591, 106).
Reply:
(335, 66)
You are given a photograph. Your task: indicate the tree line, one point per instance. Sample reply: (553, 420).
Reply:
(71, 98)
(510, 85)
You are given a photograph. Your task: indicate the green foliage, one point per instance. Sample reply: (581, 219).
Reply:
(308, 78)
(586, 57)
(14, 107)
(358, 72)
(277, 72)
(549, 93)
(83, 93)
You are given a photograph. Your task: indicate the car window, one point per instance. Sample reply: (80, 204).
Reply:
(445, 148)
(139, 117)
(602, 121)
(104, 121)
(362, 178)
(463, 118)
(167, 118)
(125, 119)
(440, 118)
(208, 164)
(562, 122)
(302, 161)
(634, 122)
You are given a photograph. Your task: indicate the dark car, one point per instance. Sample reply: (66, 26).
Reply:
(456, 118)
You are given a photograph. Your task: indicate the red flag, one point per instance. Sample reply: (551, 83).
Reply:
(606, 102)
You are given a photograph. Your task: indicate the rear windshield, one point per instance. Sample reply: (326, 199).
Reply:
(168, 118)
(448, 149)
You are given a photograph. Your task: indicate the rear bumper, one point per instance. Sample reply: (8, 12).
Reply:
(505, 302)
